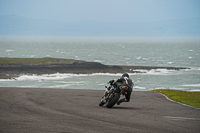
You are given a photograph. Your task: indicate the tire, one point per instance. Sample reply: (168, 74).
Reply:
(101, 103)
(111, 103)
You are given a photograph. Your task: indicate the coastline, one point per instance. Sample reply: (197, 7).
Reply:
(12, 67)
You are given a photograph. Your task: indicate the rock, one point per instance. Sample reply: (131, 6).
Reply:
(10, 70)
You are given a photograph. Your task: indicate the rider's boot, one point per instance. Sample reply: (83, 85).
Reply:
(118, 102)
(121, 100)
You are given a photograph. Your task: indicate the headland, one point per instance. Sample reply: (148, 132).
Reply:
(13, 67)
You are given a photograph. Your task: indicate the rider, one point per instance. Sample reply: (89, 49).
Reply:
(124, 84)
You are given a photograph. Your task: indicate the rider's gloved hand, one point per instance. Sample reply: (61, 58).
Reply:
(122, 87)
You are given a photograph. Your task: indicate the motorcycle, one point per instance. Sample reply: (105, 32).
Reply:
(111, 96)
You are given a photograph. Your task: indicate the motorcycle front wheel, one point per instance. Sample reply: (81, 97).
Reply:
(101, 103)
(112, 102)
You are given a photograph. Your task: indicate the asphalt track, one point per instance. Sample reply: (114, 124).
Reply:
(31, 110)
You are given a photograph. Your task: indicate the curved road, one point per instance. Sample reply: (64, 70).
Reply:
(31, 110)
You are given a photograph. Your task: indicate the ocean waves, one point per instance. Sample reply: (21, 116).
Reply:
(60, 76)
(144, 80)
(137, 53)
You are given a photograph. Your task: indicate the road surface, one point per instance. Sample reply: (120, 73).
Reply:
(36, 110)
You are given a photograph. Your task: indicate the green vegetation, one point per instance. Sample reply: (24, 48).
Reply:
(36, 60)
(189, 98)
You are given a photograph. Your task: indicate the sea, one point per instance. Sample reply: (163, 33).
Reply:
(115, 51)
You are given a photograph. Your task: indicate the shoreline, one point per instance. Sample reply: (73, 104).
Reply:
(13, 67)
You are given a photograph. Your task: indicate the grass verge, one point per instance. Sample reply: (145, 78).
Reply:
(36, 60)
(189, 98)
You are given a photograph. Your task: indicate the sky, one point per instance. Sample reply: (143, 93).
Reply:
(102, 10)
(112, 11)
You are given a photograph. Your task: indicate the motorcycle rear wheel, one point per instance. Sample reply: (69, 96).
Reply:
(112, 102)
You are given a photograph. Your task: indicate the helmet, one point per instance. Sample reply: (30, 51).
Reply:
(125, 75)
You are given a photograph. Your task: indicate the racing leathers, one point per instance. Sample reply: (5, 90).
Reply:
(125, 85)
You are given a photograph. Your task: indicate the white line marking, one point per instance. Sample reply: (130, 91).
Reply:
(181, 118)
(178, 102)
